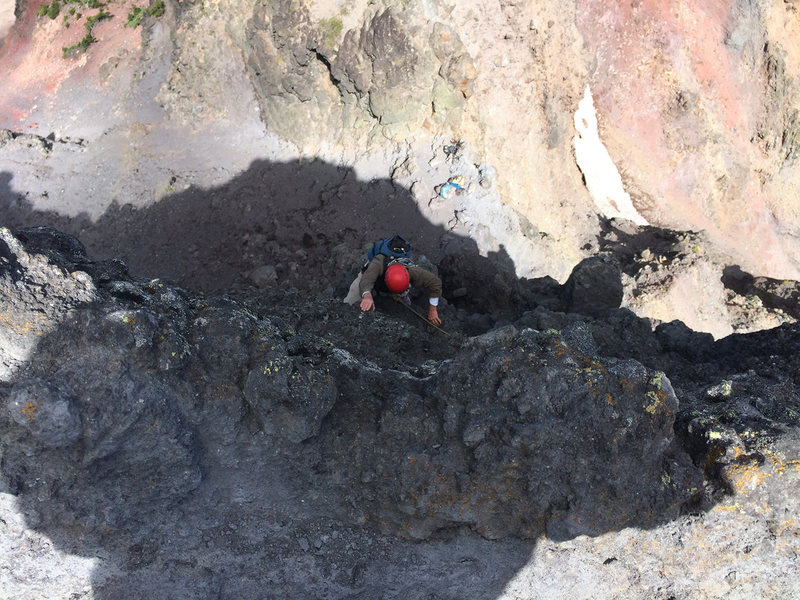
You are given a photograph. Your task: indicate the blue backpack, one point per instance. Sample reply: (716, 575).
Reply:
(395, 248)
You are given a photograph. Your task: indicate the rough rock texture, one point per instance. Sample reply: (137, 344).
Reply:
(36, 294)
(267, 443)
(193, 114)
(594, 286)
(698, 107)
(666, 273)
(614, 412)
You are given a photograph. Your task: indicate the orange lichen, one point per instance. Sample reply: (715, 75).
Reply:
(29, 410)
(7, 319)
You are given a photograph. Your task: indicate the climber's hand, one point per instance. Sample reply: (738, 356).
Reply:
(367, 303)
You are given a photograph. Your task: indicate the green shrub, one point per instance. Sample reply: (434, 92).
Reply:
(94, 19)
(138, 13)
(333, 29)
(157, 9)
(135, 17)
(54, 9)
(87, 41)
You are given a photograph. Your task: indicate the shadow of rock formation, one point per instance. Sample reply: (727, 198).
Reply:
(773, 293)
(278, 443)
(308, 220)
(311, 220)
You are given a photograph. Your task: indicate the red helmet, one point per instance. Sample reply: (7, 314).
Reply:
(397, 279)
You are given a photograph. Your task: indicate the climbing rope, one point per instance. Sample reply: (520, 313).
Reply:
(421, 316)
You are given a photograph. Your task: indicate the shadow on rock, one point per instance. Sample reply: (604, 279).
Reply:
(303, 225)
(278, 443)
(778, 294)
(309, 220)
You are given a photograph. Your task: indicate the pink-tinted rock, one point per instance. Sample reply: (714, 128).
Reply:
(681, 92)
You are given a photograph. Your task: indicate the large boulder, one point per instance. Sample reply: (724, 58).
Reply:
(594, 286)
(520, 433)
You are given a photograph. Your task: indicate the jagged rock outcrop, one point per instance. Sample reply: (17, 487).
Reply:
(465, 443)
(163, 430)
(36, 292)
(528, 434)
(391, 68)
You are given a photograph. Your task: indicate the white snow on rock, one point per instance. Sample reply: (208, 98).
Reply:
(602, 177)
(7, 17)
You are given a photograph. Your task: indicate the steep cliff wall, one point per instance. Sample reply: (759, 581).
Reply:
(696, 109)
(161, 434)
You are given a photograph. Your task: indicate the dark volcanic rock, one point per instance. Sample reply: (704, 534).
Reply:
(594, 286)
(292, 393)
(47, 412)
(36, 292)
(519, 433)
(250, 428)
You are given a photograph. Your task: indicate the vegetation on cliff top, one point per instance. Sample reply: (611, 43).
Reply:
(72, 11)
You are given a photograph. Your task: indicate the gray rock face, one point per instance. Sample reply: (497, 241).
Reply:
(388, 73)
(291, 395)
(192, 99)
(270, 434)
(36, 292)
(108, 433)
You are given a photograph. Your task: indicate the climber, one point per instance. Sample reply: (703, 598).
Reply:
(389, 269)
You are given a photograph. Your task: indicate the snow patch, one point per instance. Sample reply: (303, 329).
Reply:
(602, 177)
(7, 17)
